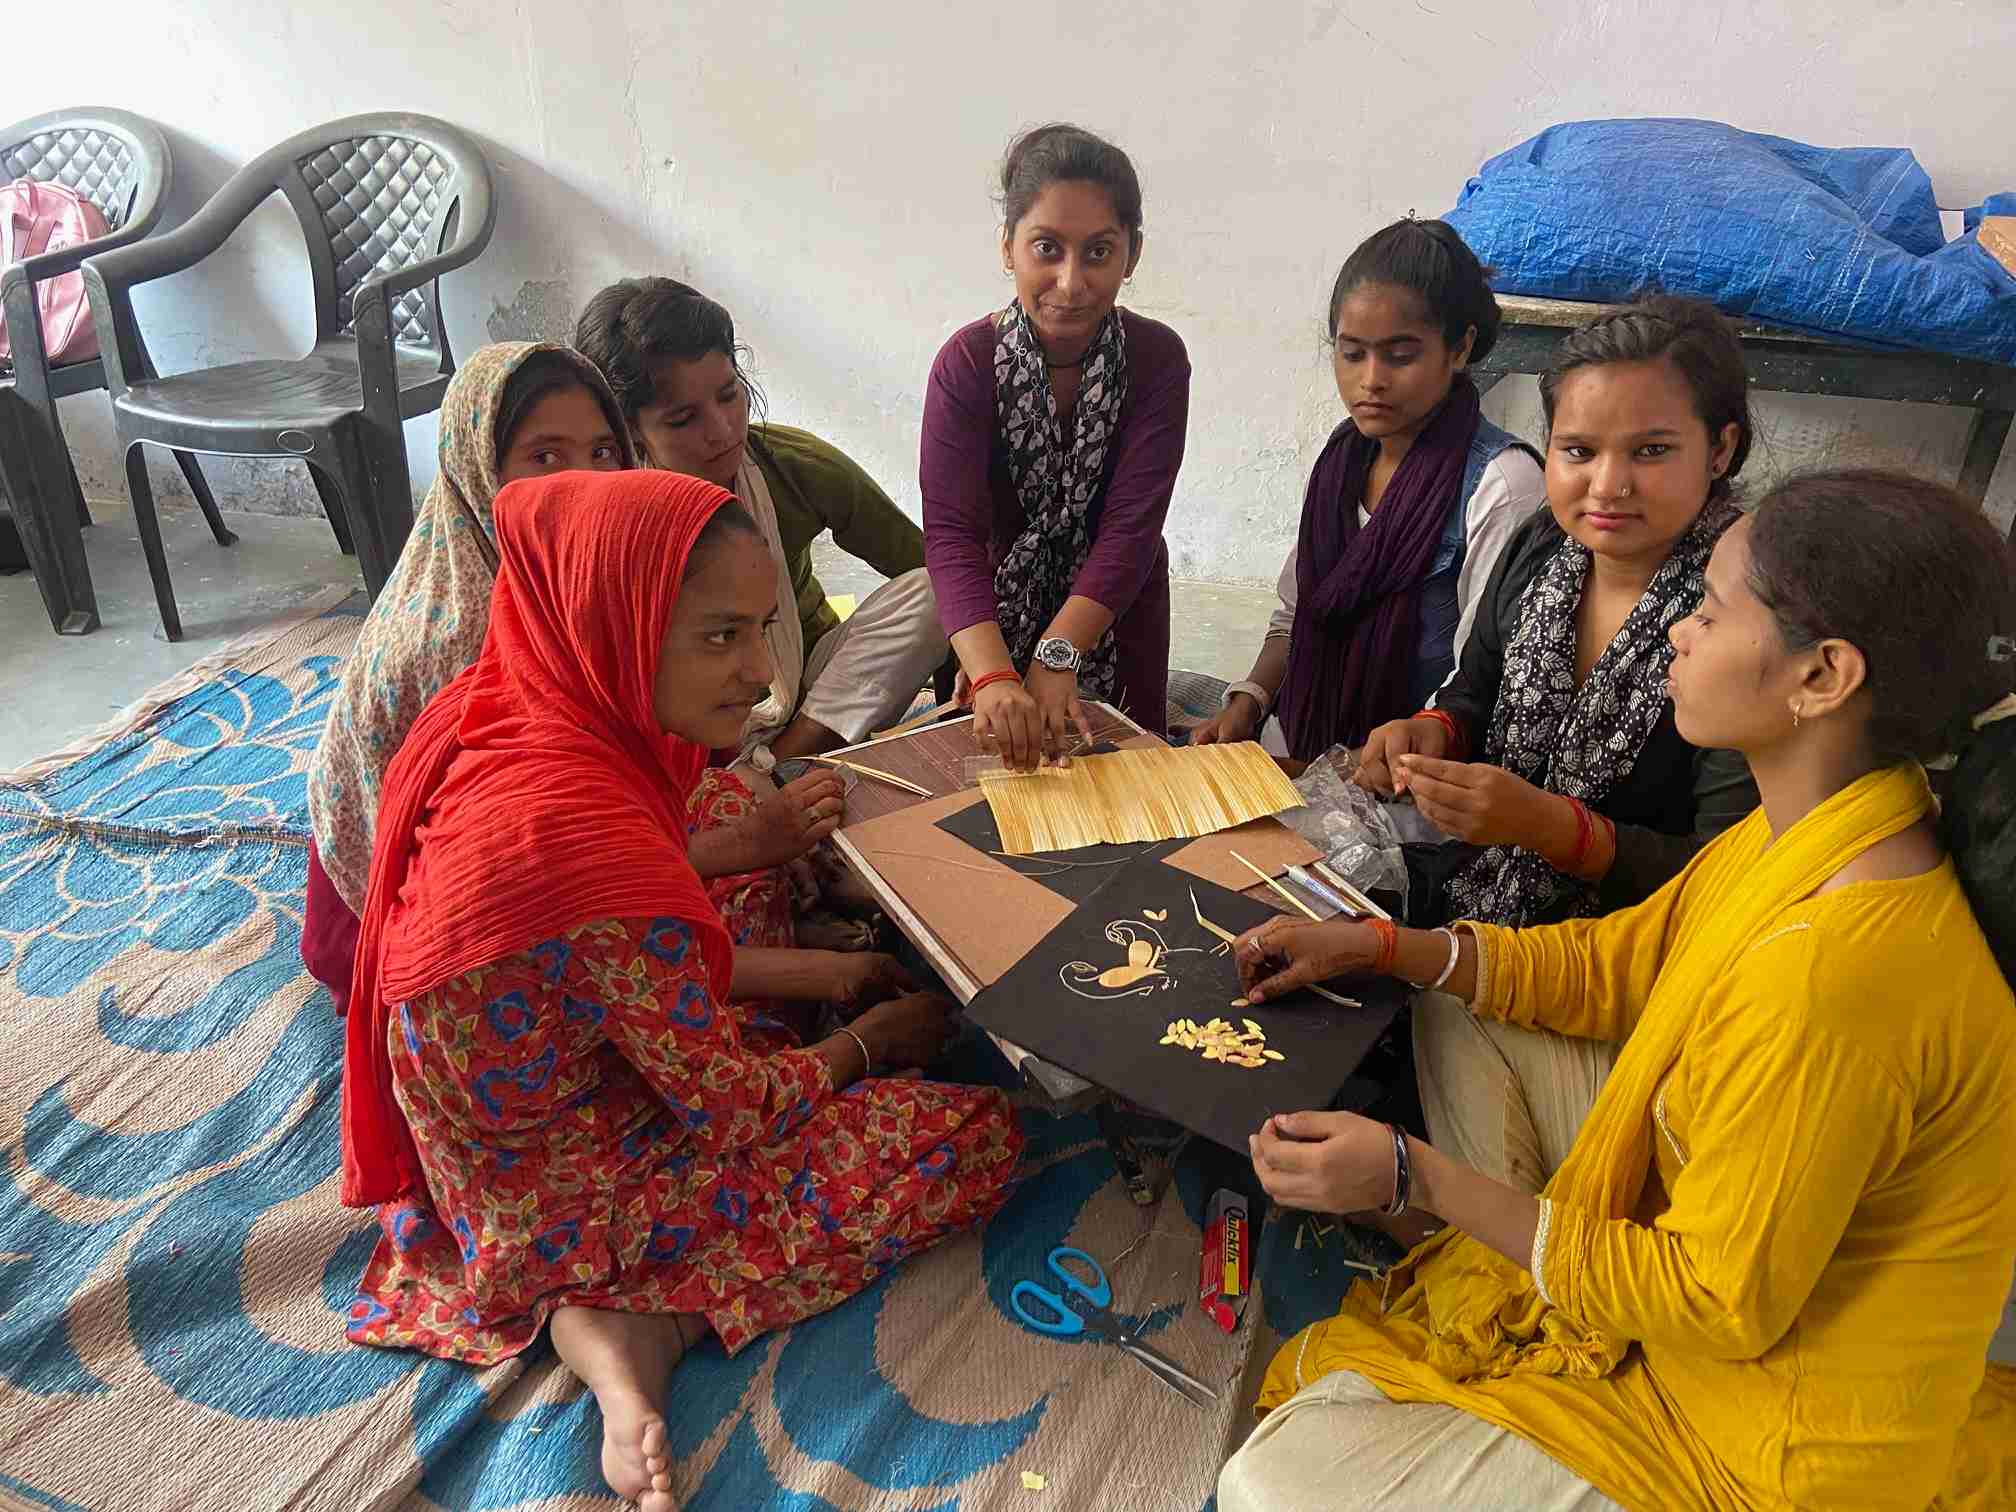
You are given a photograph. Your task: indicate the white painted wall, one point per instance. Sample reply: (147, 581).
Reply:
(824, 171)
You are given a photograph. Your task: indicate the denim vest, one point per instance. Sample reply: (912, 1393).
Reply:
(1441, 610)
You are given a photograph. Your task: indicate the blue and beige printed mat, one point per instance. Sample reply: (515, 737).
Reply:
(174, 1265)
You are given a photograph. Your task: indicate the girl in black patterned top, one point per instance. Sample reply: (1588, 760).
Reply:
(1552, 749)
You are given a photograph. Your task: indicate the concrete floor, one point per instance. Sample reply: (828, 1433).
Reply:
(53, 688)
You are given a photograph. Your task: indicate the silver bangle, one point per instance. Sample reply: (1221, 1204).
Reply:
(1253, 691)
(1403, 1174)
(1455, 954)
(867, 1060)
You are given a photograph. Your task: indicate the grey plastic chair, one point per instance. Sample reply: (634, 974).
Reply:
(387, 204)
(120, 163)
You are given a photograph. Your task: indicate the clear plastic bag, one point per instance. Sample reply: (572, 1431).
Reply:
(1353, 829)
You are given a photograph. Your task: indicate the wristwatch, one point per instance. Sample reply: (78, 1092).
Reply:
(1057, 654)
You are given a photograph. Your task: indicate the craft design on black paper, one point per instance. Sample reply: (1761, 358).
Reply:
(1147, 967)
(1144, 969)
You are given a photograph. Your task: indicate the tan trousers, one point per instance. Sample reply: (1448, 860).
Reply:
(1508, 1102)
(864, 675)
(1340, 1446)
(1503, 1100)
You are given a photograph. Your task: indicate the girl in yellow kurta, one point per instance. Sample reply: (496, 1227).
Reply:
(1767, 1272)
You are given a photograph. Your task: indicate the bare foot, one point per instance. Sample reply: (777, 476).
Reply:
(625, 1360)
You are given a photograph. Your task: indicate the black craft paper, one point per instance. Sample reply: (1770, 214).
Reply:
(1111, 1036)
(1070, 874)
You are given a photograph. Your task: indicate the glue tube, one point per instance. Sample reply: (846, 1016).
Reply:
(1225, 1276)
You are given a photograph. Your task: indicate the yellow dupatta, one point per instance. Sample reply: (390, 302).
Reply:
(1482, 1314)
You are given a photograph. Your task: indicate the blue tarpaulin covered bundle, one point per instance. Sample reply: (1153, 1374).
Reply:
(1844, 242)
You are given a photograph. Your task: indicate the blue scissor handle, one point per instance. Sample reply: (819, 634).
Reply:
(1059, 1317)
(1065, 1323)
(1095, 1291)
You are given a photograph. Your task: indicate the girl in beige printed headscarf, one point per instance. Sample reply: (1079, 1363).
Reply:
(514, 410)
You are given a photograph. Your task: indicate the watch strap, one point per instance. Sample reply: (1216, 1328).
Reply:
(1077, 657)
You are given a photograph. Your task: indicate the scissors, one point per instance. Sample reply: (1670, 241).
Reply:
(1061, 1319)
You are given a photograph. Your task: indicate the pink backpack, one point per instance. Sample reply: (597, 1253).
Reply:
(37, 218)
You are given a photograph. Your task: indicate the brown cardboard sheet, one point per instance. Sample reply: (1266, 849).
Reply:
(985, 915)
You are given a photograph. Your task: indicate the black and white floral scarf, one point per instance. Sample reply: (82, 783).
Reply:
(1580, 742)
(1058, 478)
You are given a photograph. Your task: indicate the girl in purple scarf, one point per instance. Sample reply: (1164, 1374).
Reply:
(1409, 505)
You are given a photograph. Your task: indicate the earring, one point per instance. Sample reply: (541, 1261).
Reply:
(1795, 716)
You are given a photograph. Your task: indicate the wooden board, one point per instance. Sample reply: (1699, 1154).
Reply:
(981, 914)
(930, 757)
(924, 878)
(1050, 1003)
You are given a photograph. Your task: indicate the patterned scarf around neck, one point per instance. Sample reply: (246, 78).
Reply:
(1059, 478)
(1579, 742)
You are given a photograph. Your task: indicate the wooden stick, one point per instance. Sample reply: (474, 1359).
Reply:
(1231, 939)
(1292, 899)
(877, 773)
(1336, 997)
(1198, 908)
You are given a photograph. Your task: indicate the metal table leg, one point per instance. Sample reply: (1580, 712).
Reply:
(1124, 1154)
(1984, 450)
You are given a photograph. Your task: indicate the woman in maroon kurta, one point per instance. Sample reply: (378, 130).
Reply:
(1053, 432)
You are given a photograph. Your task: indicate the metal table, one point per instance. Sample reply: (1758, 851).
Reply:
(1789, 362)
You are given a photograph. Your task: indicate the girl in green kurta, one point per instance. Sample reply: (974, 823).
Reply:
(670, 355)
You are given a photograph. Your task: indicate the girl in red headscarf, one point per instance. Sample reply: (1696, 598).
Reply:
(551, 1091)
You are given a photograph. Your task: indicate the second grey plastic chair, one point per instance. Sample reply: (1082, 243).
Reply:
(386, 204)
(120, 163)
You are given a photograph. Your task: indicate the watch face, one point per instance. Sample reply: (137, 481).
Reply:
(1057, 655)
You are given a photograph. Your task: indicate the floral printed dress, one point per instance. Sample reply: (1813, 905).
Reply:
(596, 1129)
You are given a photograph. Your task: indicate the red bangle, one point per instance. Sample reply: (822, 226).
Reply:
(1610, 834)
(1585, 836)
(1006, 674)
(1389, 945)
(1448, 722)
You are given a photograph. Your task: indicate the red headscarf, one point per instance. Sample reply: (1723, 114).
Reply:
(536, 792)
